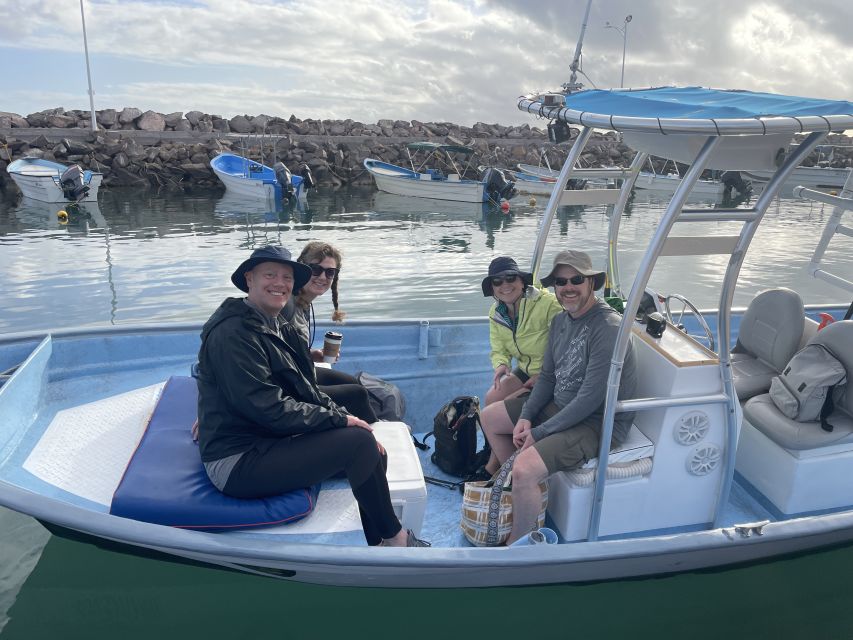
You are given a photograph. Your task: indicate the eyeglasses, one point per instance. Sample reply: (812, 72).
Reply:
(575, 280)
(499, 280)
(317, 270)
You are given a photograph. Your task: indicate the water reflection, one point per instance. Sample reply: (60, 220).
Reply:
(144, 256)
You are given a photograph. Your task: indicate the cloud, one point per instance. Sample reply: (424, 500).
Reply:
(444, 60)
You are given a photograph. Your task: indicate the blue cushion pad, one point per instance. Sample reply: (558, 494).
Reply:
(165, 481)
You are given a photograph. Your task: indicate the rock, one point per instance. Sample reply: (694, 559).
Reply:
(205, 126)
(60, 151)
(194, 117)
(151, 121)
(221, 125)
(76, 146)
(106, 118)
(120, 160)
(173, 119)
(239, 124)
(128, 115)
(260, 123)
(40, 142)
(61, 122)
(199, 158)
(121, 177)
(196, 170)
(183, 125)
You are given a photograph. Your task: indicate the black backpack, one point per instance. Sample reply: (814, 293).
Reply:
(455, 432)
(386, 399)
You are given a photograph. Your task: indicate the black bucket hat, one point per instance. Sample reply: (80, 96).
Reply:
(502, 266)
(301, 272)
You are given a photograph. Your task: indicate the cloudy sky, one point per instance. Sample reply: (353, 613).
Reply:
(432, 60)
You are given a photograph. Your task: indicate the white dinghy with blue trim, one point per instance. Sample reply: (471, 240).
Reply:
(436, 173)
(697, 487)
(247, 178)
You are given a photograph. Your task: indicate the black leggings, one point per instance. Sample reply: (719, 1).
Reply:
(346, 391)
(273, 467)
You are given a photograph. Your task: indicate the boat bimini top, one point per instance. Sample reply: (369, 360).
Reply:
(706, 129)
(422, 154)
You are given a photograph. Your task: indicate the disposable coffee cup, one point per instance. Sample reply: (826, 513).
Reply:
(332, 346)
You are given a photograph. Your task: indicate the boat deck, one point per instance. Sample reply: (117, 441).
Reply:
(127, 397)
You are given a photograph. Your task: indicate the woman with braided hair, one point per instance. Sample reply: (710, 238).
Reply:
(325, 261)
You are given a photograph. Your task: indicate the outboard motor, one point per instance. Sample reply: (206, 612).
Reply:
(284, 177)
(72, 185)
(735, 184)
(307, 177)
(497, 186)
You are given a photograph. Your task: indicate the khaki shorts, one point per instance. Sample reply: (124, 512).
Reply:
(564, 450)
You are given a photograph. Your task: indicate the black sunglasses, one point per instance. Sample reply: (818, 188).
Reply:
(575, 280)
(317, 270)
(499, 280)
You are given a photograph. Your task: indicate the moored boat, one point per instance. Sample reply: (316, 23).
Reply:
(817, 177)
(436, 174)
(48, 181)
(248, 178)
(84, 397)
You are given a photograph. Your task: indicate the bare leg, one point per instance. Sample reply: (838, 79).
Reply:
(528, 471)
(497, 428)
(508, 385)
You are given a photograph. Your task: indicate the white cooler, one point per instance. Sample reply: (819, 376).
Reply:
(405, 476)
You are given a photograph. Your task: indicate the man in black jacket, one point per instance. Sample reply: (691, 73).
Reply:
(264, 426)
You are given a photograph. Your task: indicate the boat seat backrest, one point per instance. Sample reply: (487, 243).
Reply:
(838, 339)
(770, 333)
(772, 327)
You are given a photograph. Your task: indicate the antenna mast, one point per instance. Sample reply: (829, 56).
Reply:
(572, 85)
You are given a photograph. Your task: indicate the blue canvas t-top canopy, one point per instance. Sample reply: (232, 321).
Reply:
(695, 110)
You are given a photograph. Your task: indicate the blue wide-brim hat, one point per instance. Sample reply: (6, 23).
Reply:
(301, 272)
(501, 266)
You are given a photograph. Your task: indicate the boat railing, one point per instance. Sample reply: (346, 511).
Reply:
(662, 244)
(843, 204)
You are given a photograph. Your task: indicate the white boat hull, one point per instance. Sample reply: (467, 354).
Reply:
(821, 177)
(45, 188)
(668, 184)
(246, 188)
(437, 190)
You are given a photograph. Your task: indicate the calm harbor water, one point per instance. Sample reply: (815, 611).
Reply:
(140, 256)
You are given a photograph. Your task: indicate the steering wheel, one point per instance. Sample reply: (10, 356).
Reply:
(685, 306)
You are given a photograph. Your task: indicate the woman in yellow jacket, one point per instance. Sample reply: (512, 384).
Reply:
(518, 327)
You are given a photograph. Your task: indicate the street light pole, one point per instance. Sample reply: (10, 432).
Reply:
(624, 31)
(88, 72)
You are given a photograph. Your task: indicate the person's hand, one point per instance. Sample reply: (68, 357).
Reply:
(531, 381)
(528, 441)
(500, 372)
(521, 431)
(352, 421)
(317, 355)
(194, 431)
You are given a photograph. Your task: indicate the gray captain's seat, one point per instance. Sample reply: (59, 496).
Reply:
(769, 334)
(763, 414)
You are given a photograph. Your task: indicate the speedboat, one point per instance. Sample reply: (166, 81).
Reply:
(435, 173)
(710, 477)
(48, 181)
(244, 177)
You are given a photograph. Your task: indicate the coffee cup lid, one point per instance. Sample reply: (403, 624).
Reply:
(334, 335)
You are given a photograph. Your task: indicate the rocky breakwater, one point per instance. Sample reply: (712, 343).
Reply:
(131, 147)
(135, 148)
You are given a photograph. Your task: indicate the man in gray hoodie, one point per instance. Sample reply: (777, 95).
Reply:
(558, 426)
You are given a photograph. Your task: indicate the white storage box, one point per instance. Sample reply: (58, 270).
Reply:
(405, 476)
